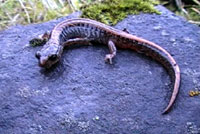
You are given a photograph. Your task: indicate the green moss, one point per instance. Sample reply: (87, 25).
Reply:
(112, 11)
(37, 42)
(192, 14)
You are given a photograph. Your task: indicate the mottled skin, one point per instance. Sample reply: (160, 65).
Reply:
(85, 31)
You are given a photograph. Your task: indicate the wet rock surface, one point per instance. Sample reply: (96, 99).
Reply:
(82, 94)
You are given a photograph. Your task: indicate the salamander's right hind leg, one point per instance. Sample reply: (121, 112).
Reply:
(113, 51)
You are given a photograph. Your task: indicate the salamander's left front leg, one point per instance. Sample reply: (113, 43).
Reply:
(113, 51)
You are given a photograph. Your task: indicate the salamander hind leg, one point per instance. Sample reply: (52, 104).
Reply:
(113, 51)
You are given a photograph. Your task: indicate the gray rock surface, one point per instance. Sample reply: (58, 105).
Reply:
(84, 95)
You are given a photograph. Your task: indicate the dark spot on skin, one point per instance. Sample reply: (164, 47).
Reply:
(82, 24)
(87, 25)
(125, 30)
(130, 40)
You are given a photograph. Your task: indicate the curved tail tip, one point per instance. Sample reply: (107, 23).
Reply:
(165, 111)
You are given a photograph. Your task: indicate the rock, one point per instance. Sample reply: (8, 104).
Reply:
(82, 94)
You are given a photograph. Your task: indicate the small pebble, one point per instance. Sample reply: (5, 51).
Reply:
(172, 39)
(96, 118)
(164, 33)
(157, 27)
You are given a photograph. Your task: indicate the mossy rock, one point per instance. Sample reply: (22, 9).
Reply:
(112, 11)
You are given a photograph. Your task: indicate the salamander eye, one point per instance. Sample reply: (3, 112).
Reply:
(37, 55)
(53, 57)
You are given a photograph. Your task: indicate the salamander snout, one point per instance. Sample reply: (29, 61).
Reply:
(46, 61)
(41, 60)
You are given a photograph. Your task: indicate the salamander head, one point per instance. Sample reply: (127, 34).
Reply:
(49, 55)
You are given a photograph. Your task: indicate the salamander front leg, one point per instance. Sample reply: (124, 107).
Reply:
(113, 51)
(45, 36)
